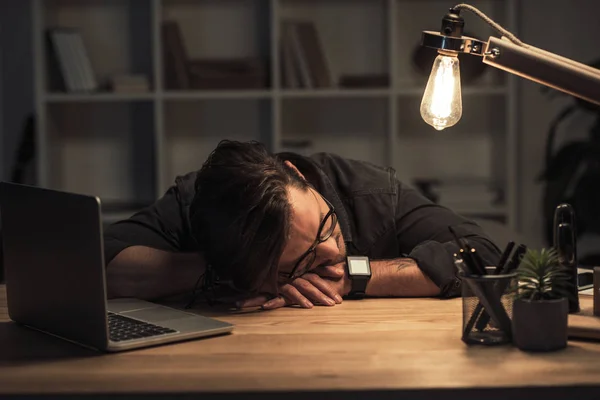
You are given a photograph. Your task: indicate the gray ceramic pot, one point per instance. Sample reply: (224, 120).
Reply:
(540, 325)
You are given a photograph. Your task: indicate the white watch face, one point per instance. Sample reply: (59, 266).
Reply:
(358, 267)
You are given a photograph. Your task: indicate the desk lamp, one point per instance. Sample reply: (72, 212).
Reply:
(441, 106)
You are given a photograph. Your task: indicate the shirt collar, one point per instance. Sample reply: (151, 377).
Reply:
(317, 177)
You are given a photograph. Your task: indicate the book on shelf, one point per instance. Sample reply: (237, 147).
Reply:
(303, 60)
(70, 68)
(175, 56)
(290, 70)
(183, 73)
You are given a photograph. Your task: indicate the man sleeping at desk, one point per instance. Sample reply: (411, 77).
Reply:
(284, 229)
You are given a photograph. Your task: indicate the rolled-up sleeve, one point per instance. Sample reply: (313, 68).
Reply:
(423, 234)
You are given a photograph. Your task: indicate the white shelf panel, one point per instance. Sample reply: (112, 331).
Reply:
(217, 94)
(96, 97)
(333, 93)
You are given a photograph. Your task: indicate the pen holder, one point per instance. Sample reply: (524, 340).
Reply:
(487, 308)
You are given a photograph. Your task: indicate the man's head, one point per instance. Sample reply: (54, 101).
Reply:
(254, 214)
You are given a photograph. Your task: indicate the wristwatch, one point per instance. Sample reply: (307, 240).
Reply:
(359, 272)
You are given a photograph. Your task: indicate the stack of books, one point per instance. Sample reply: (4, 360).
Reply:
(70, 66)
(183, 73)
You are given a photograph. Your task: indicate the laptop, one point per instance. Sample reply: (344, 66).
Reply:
(55, 277)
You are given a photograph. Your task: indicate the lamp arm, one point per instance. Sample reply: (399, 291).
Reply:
(543, 67)
(510, 36)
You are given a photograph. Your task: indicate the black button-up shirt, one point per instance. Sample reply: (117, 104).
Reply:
(380, 217)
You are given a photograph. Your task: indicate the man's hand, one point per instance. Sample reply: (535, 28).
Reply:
(322, 286)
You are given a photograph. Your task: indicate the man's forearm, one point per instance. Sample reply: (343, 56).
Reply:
(400, 277)
(148, 273)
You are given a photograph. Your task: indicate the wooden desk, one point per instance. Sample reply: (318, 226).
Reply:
(376, 348)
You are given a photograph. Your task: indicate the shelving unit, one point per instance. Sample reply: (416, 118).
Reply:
(128, 147)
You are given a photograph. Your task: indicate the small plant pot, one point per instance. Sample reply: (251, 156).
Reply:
(540, 325)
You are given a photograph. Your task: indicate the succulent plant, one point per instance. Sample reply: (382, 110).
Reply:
(542, 277)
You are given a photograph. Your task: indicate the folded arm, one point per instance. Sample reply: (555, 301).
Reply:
(399, 277)
(148, 273)
(149, 255)
(423, 236)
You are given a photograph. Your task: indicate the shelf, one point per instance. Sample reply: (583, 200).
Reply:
(482, 116)
(96, 97)
(465, 91)
(217, 94)
(333, 93)
(258, 94)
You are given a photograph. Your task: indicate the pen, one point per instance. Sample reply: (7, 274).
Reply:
(515, 261)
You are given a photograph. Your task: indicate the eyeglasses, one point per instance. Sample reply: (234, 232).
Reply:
(325, 231)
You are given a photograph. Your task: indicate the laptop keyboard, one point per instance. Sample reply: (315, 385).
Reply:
(122, 328)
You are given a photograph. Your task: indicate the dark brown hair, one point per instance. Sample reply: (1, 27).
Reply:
(240, 213)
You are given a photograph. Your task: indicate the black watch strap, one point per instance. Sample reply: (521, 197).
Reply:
(359, 287)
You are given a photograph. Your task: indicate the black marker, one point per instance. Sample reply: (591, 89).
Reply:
(504, 257)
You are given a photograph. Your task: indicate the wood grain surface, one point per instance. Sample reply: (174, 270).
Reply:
(374, 346)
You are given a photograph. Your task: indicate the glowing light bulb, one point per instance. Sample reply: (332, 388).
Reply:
(441, 106)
